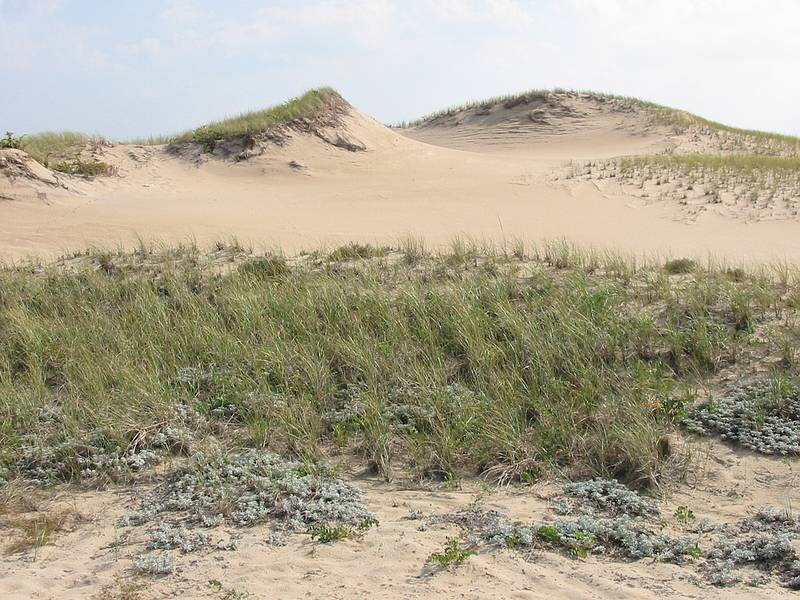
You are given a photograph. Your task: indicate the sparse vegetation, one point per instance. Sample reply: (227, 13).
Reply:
(679, 120)
(34, 532)
(721, 552)
(156, 563)
(746, 186)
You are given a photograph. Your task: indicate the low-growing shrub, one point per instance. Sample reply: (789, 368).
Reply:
(250, 488)
(161, 563)
(763, 415)
(609, 496)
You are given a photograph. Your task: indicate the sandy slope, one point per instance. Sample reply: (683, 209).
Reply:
(487, 176)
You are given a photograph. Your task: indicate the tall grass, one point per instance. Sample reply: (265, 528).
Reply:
(447, 367)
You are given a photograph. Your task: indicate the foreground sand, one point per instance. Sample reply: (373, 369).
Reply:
(94, 560)
(493, 181)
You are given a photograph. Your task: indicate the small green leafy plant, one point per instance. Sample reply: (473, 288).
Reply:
(11, 141)
(684, 516)
(452, 554)
(583, 543)
(326, 534)
(548, 533)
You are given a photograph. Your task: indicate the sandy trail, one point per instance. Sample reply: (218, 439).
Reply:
(478, 180)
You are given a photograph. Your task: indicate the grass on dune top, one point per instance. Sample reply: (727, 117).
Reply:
(253, 122)
(51, 146)
(662, 114)
(469, 362)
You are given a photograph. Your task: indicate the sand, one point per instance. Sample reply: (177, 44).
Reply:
(488, 178)
(389, 560)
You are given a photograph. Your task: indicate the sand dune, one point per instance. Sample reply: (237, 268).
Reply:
(486, 172)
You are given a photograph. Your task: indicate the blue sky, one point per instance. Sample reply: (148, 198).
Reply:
(127, 69)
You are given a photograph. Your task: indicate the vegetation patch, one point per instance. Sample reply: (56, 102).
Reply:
(763, 415)
(722, 553)
(251, 488)
(747, 186)
(452, 555)
(62, 148)
(609, 496)
(84, 168)
(249, 124)
(55, 454)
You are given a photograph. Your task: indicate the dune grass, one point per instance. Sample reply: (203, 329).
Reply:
(250, 123)
(738, 163)
(508, 100)
(665, 115)
(54, 147)
(507, 365)
(63, 147)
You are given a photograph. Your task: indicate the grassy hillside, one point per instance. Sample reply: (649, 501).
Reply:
(475, 361)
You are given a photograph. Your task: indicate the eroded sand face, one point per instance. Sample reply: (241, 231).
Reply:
(491, 180)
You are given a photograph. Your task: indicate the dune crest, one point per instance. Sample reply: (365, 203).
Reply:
(317, 170)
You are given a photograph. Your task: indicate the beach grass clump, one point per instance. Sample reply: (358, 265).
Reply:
(60, 147)
(82, 167)
(679, 266)
(762, 415)
(252, 123)
(355, 251)
(32, 533)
